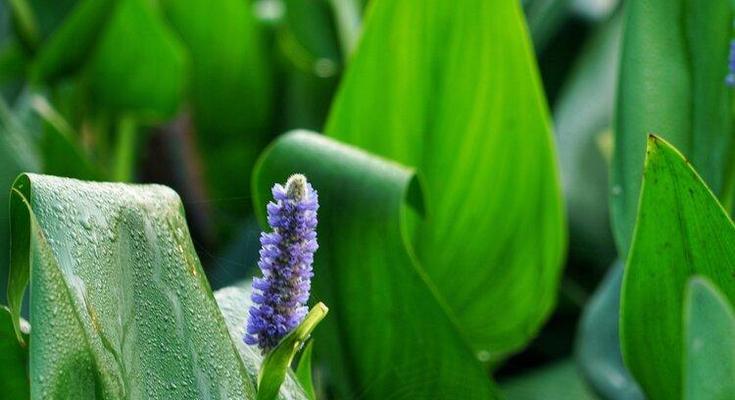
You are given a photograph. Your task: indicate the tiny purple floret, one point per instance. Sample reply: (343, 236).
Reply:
(286, 254)
(730, 79)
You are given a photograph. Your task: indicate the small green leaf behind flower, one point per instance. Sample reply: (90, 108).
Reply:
(303, 371)
(277, 362)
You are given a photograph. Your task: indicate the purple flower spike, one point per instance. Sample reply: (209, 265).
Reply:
(730, 79)
(286, 254)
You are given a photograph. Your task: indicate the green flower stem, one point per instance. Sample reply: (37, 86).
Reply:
(276, 363)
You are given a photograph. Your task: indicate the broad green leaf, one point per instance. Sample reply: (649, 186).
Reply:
(709, 359)
(583, 117)
(138, 66)
(598, 342)
(389, 333)
(231, 89)
(560, 381)
(681, 231)
(14, 382)
(120, 307)
(277, 363)
(303, 371)
(67, 48)
(234, 302)
(672, 83)
(457, 96)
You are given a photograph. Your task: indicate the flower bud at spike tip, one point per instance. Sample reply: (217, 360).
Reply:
(286, 254)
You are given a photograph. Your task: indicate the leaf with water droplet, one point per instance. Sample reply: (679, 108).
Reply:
(116, 312)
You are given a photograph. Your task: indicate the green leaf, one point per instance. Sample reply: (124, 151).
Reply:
(560, 381)
(681, 231)
(709, 359)
(390, 333)
(138, 66)
(458, 97)
(277, 362)
(120, 307)
(303, 371)
(68, 47)
(14, 383)
(672, 83)
(234, 302)
(598, 351)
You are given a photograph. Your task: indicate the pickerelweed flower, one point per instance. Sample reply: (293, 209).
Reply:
(286, 254)
(730, 79)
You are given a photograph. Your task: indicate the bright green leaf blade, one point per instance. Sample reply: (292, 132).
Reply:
(68, 47)
(303, 371)
(389, 334)
(14, 382)
(709, 326)
(672, 83)
(277, 363)
(138, 66)
(682, 230)
(598, 342)
(560, 381)
(457, 96)
(234, 302)
(120, 307)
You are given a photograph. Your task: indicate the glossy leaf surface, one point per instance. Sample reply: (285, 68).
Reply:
(681, 231)
(457, 96)
(120, 307)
